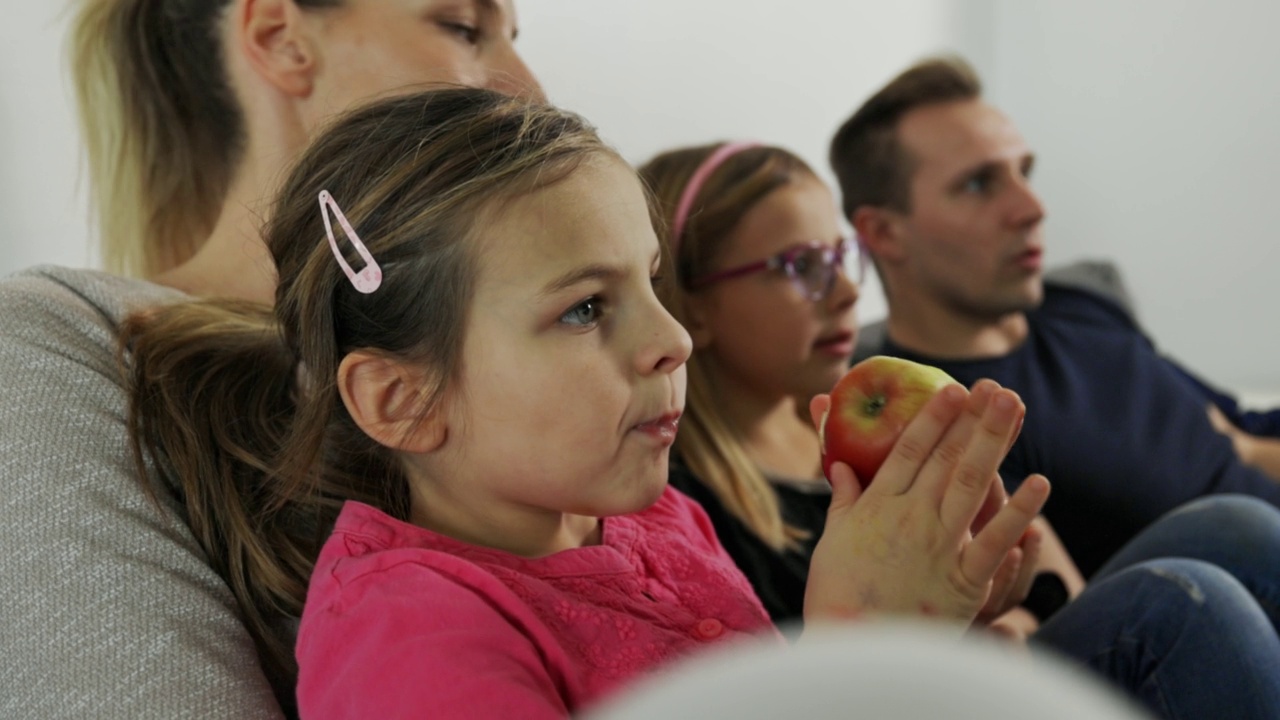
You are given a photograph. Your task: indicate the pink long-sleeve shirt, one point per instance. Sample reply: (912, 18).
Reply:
(401, 621)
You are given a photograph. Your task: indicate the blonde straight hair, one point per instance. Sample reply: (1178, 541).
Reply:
(162, 129)
(707, 442)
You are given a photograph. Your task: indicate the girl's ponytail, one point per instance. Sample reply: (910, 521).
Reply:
(212, 400)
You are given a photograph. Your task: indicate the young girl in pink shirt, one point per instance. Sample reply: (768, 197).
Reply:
(450, 435)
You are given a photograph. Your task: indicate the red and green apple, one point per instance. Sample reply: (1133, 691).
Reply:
(870, 406)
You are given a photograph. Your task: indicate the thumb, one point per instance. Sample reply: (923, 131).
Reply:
(1219, 421)
(845, 488)
(818, 407)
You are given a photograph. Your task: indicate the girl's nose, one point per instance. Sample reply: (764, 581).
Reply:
(667, 345)
(845, 289)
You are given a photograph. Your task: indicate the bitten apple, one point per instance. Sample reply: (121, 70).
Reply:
(870, 407)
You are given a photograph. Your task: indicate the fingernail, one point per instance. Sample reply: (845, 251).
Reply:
(1005, 401)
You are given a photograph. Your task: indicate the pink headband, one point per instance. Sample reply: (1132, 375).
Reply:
(708, 166)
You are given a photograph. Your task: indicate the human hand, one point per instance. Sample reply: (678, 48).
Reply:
(1262, 453)
(1224, 426)
(906, 544)
(1017, 626)
(1012, 582)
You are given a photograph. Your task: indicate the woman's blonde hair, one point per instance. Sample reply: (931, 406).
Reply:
(707, 442)
(236, 405)
(162, 128)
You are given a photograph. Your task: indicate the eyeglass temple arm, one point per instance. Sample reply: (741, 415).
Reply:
(715, 277)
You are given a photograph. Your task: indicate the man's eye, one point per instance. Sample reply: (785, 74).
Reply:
(976, 185)
(584, 313)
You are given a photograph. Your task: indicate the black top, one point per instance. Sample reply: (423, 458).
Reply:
(1121, 432)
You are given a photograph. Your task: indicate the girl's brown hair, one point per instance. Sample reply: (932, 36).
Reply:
(163, 130)
(236, 405)
(707, 442)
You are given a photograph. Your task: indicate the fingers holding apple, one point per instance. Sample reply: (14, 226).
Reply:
(845, 487)
(869, 408)
(1001, 587)
(892, 551)
(982, 557)
(1012, 581)
(964, 478)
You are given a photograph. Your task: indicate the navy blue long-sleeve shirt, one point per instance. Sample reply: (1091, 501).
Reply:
(1122, 433)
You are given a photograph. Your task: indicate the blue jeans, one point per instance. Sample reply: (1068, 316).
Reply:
(1183, 617)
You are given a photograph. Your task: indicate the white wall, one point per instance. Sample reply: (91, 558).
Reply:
(43, 209)
(652, 74)
(1153, 120)
(659, 74)
(1157, 123)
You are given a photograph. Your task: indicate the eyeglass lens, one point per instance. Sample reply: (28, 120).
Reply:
(814, 269)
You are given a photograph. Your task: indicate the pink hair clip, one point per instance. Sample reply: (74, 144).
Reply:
(368, 279)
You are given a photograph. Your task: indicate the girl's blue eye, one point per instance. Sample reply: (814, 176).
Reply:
(584, 313)
(468, 33)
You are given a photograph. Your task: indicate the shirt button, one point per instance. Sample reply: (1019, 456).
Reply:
(709, 629)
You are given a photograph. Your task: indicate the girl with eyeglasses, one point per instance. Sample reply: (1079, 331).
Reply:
(766, 284)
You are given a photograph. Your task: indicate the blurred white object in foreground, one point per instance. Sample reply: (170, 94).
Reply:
(874, 670)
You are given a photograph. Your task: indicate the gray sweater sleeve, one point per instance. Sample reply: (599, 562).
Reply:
(110, 609)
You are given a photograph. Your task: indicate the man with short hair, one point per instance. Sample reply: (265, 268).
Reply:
(936, 183)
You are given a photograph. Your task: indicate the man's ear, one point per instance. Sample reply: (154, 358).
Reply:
(388, 400)
(274, 40)
(880, 230)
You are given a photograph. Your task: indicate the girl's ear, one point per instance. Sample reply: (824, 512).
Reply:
(695, 322)
(388, 400)
(274, 40)
(880, 230)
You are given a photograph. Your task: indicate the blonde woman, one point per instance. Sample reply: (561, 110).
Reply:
(192, 111)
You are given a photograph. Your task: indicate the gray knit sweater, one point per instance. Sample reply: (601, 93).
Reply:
(109, 608)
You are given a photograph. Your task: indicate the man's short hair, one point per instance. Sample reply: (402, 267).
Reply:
(870, 163)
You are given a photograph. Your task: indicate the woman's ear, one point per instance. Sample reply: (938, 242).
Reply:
(274, 40)
(389, 401)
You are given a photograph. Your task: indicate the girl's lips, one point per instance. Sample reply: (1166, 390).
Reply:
(662, 429)
(839, 344)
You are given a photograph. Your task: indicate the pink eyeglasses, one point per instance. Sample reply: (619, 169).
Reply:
(811, 266)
